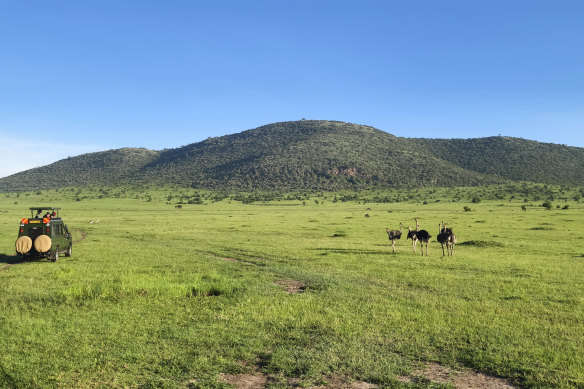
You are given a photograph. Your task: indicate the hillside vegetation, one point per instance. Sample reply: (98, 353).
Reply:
(512, 158)
(113, 166)
(321, 155)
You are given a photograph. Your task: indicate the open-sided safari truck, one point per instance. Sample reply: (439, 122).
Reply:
(44, 235)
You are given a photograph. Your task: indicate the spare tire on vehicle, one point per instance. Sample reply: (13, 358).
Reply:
(42, 243)
(23, 245)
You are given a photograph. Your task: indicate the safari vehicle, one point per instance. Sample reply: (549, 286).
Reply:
(44, 235)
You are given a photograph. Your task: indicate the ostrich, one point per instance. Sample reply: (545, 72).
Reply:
(451, 243)
(446, 238)
(442, 237)
(394, 235)
(423, 236)
(451, 239)
(413, 235)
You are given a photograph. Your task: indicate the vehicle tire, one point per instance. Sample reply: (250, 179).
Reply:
(54, 255)
(42, 243)
(23, 245)
(69, 251)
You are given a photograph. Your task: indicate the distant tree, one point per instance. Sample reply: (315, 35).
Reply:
(547, 205)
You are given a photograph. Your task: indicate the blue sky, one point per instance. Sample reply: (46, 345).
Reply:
(84, 76)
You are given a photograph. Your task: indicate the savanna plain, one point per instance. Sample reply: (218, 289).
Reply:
(301, 289)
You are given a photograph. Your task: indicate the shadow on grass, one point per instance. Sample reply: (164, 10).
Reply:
(11, 259)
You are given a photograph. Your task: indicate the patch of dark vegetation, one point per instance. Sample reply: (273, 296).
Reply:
(339, 235)
(204, 292)
(481, 243)
(542, 229)
(481, 221)
(7, 379)
(511, 298)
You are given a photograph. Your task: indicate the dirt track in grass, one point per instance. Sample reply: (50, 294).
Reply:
(430, 373)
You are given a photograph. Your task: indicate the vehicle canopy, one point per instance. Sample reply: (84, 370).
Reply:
(37, 212)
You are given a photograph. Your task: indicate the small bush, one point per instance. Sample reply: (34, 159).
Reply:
(481, 243)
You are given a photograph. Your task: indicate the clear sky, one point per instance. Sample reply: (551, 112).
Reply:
(84, 76)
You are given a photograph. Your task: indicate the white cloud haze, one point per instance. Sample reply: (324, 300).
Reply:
(17, 155)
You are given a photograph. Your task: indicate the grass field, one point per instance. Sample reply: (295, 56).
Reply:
(155, 297)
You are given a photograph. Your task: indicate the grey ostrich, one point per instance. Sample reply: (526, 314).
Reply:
(394, 235)
(423, 236)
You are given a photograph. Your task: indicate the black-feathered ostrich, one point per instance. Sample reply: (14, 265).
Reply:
(394, 235)
(413, 235)
(446, 238)
(443, 236)
(423, 236)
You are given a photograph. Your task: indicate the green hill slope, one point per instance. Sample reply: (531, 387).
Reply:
(102, 168)
(512, 158)
(307, 155)
(315, 154)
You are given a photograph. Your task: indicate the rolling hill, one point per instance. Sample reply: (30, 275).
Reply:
(312, 154)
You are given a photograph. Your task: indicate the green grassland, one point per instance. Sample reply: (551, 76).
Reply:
(155, 297)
